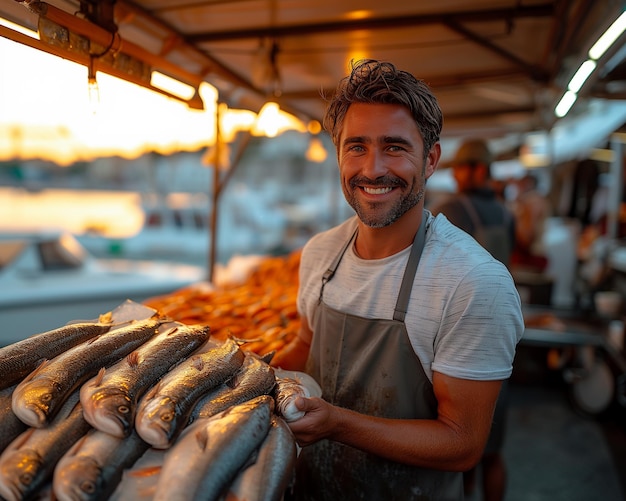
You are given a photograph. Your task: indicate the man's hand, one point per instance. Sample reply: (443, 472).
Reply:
(317, 422)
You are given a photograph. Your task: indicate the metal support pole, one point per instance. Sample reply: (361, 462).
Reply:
(616, 186)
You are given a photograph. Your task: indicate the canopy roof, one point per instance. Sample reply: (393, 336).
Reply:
(498, 67)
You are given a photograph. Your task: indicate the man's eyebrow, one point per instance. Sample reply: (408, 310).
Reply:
(396, 140)
(356, 140)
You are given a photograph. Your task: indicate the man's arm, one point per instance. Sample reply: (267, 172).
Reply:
(454, 441)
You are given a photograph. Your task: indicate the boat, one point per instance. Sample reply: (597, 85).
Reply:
(48, 279)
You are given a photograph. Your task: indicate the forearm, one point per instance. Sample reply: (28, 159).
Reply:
(425, 443)
(454, 441)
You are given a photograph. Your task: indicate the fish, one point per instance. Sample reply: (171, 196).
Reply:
(110, 399)
(286, 391)
(19, 359)
(164, 411)
(10, 425)
(273, 470)
(37, 398)
(28, 462)
(207, 457)
(93, 467)
(255, 377)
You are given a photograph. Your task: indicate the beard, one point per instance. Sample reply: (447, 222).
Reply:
(373, 214)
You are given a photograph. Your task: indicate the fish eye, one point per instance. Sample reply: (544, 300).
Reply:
(46, 397)
(123, 409)
(26, 478)
(88, 487)
(168, 417)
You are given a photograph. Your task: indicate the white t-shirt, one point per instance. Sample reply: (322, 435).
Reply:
(464, 317)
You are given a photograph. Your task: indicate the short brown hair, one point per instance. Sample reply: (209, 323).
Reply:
(379, 82)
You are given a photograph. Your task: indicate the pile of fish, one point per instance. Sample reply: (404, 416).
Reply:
(90, 411)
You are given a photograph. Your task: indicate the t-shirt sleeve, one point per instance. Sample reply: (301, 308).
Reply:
(481, 326)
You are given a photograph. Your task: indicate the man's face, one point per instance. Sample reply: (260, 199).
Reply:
(381, 162)
(469, 176)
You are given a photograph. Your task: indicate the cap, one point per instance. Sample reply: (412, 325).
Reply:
(473, 151)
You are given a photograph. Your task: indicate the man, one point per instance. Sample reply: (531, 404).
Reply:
(409, 351)
(477, 210)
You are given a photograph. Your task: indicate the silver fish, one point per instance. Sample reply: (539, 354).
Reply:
(208, 456)
(110, 399)
(164, 411)
(93, 467)
(255, 377)
(10, 425)
(29, 460)
(19, 359)
(286, 392)
(270, 475)
(38, 397)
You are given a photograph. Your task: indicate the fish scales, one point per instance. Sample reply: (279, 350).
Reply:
(38, 397)
(207, 457)
(93, 467)
(29, 461)
(270, 475)
(10, 425)
(286, 392)
(19, 359)
(254, 378)
(164, 411)
(110, 401)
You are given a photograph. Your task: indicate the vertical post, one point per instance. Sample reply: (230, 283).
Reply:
(616, 185)
(215, 197)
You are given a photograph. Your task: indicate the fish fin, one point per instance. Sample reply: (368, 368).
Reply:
(45, 362)
(171, 330)
(133, 358)
(267, 357)
(148, 471)
(241, 341)
(202, 438)
(106, 318)
(197, 363)
(99, 377)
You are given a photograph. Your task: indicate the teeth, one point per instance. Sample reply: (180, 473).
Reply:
(376, 191)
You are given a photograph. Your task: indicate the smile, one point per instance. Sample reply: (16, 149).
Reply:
(376, 191)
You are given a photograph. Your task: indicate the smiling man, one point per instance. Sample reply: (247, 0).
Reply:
(408, 325)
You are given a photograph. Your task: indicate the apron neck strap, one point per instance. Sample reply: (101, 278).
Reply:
(409, 272)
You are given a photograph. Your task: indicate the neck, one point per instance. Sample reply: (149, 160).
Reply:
(377, 243)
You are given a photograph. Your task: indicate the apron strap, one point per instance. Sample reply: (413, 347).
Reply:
(332, 268)
(409, 273)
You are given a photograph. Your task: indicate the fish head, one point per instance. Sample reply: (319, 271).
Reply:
(79, 480)
(36, 401)
(21, 471)
(110, 410)
(158, 422)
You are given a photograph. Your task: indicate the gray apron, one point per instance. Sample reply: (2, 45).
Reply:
(369, 365)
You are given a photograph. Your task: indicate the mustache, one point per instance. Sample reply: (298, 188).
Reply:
(379, 181)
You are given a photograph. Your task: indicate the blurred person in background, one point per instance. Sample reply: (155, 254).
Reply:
(408, 325)
(531, 209)
(477, 209)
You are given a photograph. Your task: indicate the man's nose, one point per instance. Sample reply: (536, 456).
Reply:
(375, 165)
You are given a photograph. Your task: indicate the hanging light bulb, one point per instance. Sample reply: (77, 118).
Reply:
(92, 88)
(316, 151)
(268, 121)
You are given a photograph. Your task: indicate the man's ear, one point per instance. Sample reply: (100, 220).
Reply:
(432, 160)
